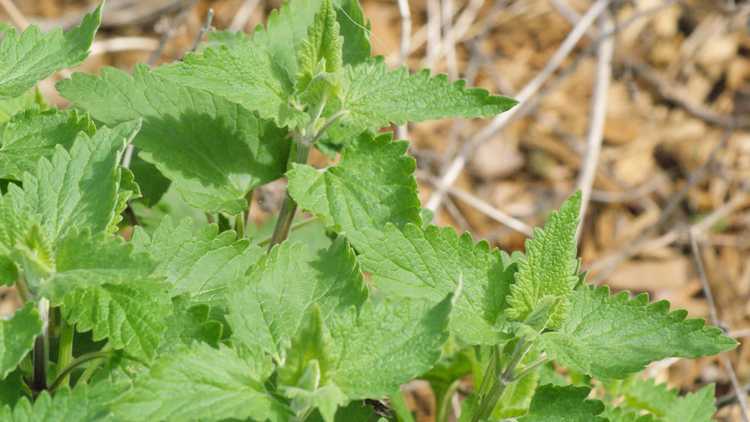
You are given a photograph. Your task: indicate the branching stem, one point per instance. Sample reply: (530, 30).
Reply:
(63, 375)
(65, 350)
(488, 402)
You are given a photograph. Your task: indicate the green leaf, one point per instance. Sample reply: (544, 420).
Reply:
(215, 151)
(8, 271)
(356, 31)
(431, 263)
(667, 404)
(83, 403)
(84, 260)
(200, 262)
(17, 337)
(517, 397)
(200, 383)
(75, 189)
(563, 404)
(613, 336)
(152, 182)
(382, 345)
(371, 198)
(549, 267)
(321, 49)
(376, 97)
(188, 323)
(30, 100)
(617, 414)
(371, 186)
(32, 56)
(131, 316)
(12, 388)
(267, 307)
(31, 135)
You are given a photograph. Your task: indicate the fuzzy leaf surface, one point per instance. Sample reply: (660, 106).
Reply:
(371, 186)
(200, 383)
(31, 56)
(371, 197)
(375, 96)
(200, 262)
(548, 270)
(267, 307)
(32, 135)
(74, 189)
(599, 327)
(667, 404)
(82, 403)
(563, 404)
(321, 50)
(130, 315)
(17, 337)
(409, 339)
(215, 151)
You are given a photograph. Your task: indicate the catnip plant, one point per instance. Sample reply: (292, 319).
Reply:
(325, 314)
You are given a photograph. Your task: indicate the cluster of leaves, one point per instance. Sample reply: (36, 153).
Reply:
(194, 321)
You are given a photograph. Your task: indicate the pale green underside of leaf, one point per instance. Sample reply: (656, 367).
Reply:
(376, 96)
(668, 405)
(201, 262)
(371, 197)
(323, 45)
(213, 150)
(200, 383)
(549, 266)
(383, 345)
(613, 336)
(32, 56)
(517, 397)
(130, 316)
(17, 337)
(563, 404)
(75, 189)
(267, 307)
(83, 403)
(32, 135)
(84, 260)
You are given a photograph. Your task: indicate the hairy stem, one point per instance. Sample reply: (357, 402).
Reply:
(64, 350)
(443, 414)
(488, 402)
(289, 207)
(65, 373)
(41, 350)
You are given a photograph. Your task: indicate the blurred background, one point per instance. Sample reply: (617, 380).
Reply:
(644, 105)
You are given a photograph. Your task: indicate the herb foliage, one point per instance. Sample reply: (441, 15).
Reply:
(194, 321)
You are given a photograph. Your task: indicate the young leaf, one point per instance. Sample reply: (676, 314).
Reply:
(75, 189)
(200, 383)
(17, 337)
(32, 135)
(200, 262)
(215, 151)
(267, 308)
(667, 404)
(549, 267)
(32, 56)
(131, 315)
(371, 186)
(613, 336)
(563, 404)
(320, 52)
(83, 403)
(375, 97)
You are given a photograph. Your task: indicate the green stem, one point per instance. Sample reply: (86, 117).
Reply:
(281, 231)
(41, 350)
(399, 406)
(488, 402)
(239, 225)
(445, 403)
(65, 349)
(295, 226)
(62, 376)
(23, 290)
(248, 223)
